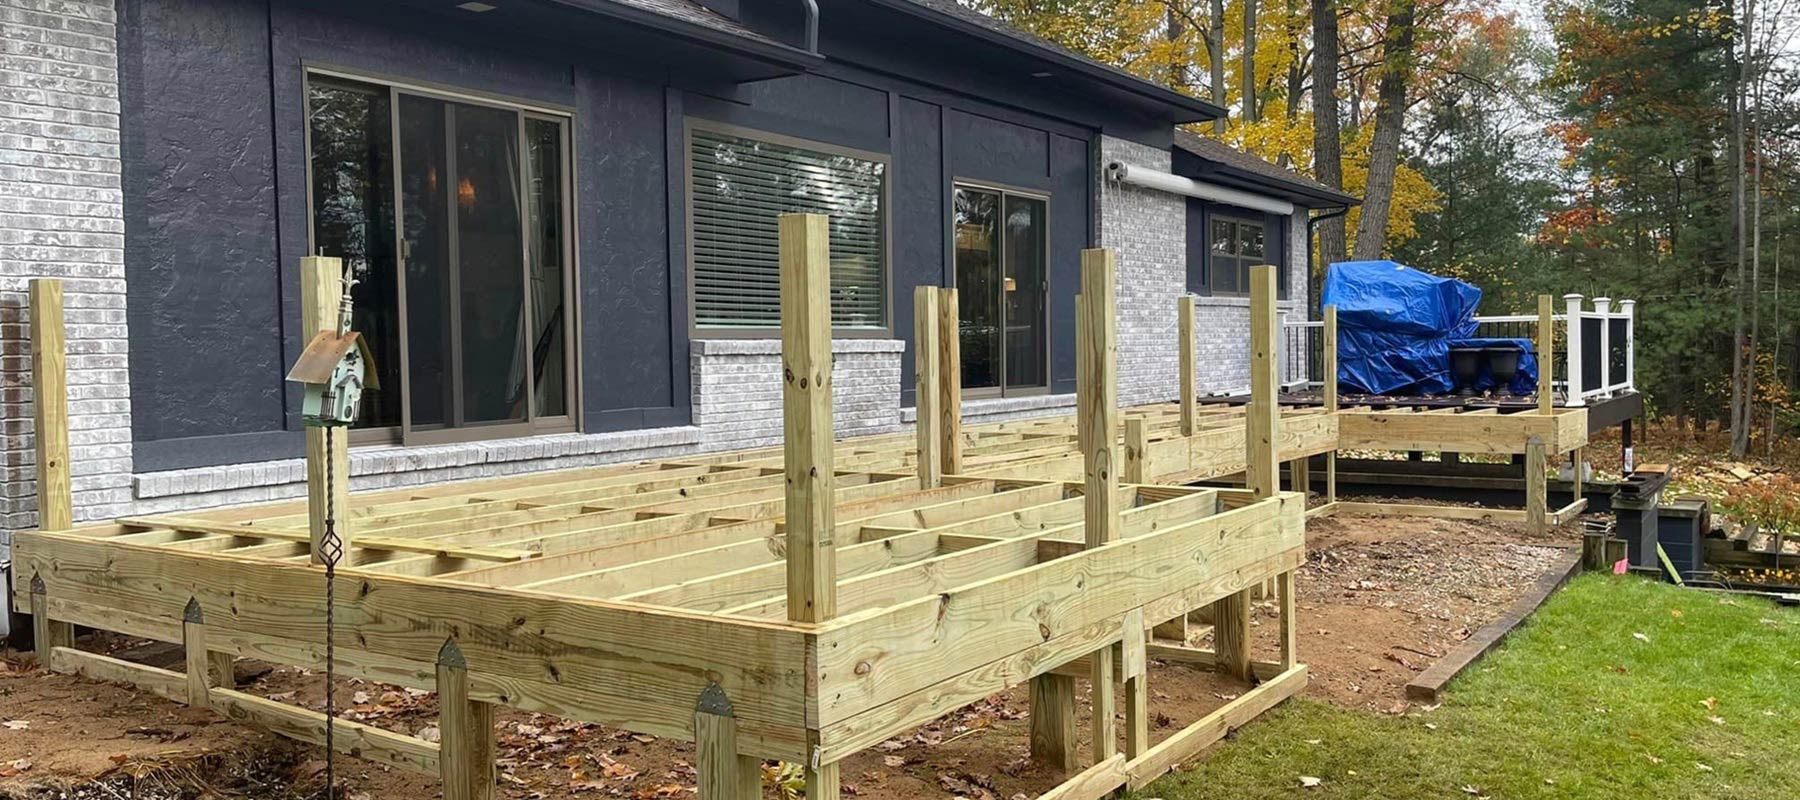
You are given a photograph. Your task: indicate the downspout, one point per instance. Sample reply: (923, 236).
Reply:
(1311, 223)
(812, 25)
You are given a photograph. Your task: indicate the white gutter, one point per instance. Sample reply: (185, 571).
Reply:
(1212, 192)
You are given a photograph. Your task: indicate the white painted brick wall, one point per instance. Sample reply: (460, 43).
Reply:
(61, 216)
(737, 389)
(1148, 228)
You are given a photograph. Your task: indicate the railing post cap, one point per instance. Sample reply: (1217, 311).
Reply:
(1572, 296)
(1627, 302)
(1602, 300)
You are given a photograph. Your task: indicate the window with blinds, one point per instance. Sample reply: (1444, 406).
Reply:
(740, 185)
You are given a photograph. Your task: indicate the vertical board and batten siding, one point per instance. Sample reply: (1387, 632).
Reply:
(216, 211)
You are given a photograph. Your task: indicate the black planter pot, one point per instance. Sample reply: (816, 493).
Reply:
(1465, 369)
(1503, 364)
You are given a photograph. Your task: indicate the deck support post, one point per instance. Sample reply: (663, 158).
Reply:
(928, 430)
(1096, 343)
(1290, 620)
(1134, 662)
(1546, 347)
(50, 405)
(807, 436)
(1536, 486)
(720, 772)
(1231, 614)
(1189, 411)
(1330, 367)
(321, 289)
(193, 641)
(806, 416)
(1052, 699)
(1137, 450)
(466, 747)
(46, 633)
(949, 404)
(1300, 474)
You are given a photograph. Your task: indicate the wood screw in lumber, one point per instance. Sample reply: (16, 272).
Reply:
(806, 417)
(928, 429)
(466, 726)
(719, 771)
(50, 405)
(321, 289)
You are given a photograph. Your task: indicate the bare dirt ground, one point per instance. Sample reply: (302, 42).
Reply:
(1379, 600)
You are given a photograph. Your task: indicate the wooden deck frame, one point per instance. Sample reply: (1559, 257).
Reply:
(669, 599)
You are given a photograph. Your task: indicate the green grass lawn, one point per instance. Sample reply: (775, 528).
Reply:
(1574, 704)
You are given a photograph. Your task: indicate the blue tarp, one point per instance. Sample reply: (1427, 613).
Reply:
(1396, 326)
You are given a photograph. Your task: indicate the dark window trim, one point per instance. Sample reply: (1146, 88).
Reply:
(697, 331)
(570, 420)
(1005, 190)
(1274, 238)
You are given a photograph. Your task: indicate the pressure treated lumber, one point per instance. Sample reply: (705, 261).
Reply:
(719, 772)
(1185, 330)
(1546, 352)
(1536, 486)
(949, 405)
(806, 417)
(327, 485)
(926, 359)
(50, 405)
(466, 726)
(1231, 615)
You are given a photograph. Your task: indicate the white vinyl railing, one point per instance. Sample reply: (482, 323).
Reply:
(1596, 358)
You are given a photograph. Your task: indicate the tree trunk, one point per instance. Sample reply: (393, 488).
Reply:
(1249, 87)
(1215, 51)
(1176, 23)
(1740, 416)
(1390, 118)
(1328, 148)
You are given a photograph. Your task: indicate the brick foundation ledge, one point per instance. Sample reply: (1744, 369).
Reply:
(391, 466)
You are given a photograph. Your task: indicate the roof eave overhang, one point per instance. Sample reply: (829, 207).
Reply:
(776, 59)
(1177, 107)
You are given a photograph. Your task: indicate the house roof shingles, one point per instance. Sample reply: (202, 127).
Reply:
(1225, 155)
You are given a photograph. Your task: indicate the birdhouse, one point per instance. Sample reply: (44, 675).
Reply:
(334, 368)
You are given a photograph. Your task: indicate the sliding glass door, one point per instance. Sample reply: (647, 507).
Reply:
(1002, 285)
(467, 312)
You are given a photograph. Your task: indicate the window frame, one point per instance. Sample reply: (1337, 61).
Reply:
(695, 330)
(1005, 190)
(1271, 241)
(524, 110)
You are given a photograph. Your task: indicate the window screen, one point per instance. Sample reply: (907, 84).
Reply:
(740, 186)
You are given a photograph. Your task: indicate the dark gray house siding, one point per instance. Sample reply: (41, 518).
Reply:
(217, 218)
